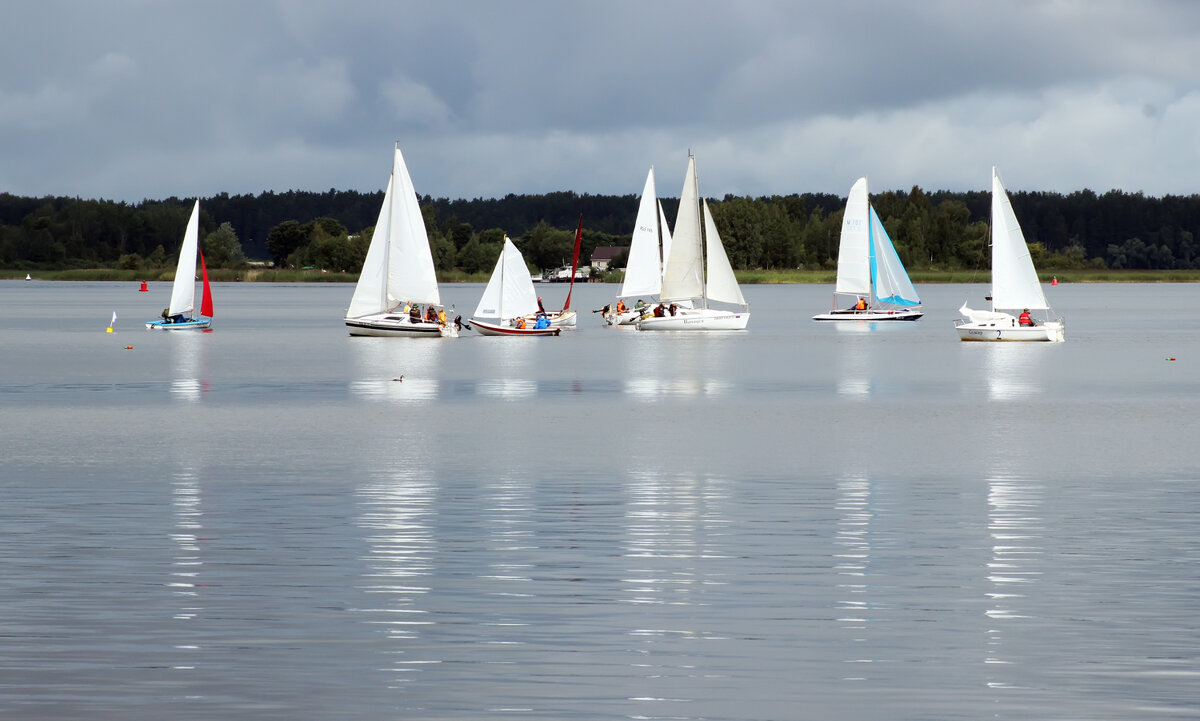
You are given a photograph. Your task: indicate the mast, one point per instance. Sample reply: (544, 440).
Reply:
(703, 241)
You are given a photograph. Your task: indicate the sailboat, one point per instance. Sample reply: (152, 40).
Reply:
(397, 274)
(509, 297)
(566, 317)
(870, 276)
(684, 281)
(643, 269)
(1014, 286)
(177, 316)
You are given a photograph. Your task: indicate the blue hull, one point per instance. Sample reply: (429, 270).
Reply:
(191, 324)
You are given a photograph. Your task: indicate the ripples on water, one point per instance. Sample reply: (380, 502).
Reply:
(802, 521)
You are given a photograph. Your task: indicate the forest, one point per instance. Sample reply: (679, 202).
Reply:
(940, 231)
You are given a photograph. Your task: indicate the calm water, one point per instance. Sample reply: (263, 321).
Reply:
(803, 521)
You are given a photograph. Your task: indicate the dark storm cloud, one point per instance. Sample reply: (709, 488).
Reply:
(132, 99)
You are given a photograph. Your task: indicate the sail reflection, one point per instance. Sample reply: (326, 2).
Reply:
(855, 540)
(396, 369)
(669, 365)
(651, 389)
(1016, 532)
(398, 515)
(671, 525)
(187, 562)
(508, 389)
(853, 371)
(1012, 370)
(189, 361)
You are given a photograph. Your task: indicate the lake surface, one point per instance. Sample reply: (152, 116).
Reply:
(802, 521)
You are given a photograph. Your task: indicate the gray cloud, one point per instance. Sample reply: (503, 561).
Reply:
(130, 99)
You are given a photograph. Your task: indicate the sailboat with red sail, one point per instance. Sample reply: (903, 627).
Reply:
(178, 315)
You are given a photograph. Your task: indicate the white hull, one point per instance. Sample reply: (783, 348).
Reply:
(697, 319)
(389, 325)
(629, 317)
(558, 318)
(483, 328)
(1051, 332)
(871, 315)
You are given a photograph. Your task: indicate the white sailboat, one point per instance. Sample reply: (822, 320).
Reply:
(871, 281)
(508, 298)
(1015, 286)
(644, 268)
(177, 316)
(398, 270)
(685, 286)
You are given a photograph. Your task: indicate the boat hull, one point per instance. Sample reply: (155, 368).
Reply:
(871, 314)
(697, 319)
(192, 324)
(629, 317)
(558, 318)
(491, 329)
(1052, 332)
(389, 325)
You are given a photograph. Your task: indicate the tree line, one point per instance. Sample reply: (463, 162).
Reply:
(331, 230)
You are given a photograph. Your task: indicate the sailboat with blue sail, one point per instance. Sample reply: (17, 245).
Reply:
(872, 284)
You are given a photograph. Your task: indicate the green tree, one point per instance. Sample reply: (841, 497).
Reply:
(222, 249)
(284, 239)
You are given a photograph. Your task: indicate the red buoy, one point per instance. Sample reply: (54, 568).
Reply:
(1054, 280)
(143, 289)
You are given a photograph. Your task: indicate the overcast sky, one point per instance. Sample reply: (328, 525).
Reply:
(134, 99)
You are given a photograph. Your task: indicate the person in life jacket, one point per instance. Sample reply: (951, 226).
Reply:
(861, 304)
(620, 307)
(1024, 318)
(519, 323)
(542, 321)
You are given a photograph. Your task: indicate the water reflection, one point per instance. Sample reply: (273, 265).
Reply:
(673, 526)
(189, 364)
(397, 513)
(855, 540)
(1012, 370)
(666, 365)
(1016, 534)
(397, 369)
(187, 563)
(853, 368)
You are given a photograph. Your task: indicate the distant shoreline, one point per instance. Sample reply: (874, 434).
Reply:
(746, 277)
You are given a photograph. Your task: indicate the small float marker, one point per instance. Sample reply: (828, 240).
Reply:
(128, 347)
(111, 323)
(1171, 358)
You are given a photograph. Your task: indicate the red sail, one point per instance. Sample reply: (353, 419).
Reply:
(574, 262)
(206, 308)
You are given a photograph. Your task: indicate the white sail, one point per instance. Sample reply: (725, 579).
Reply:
(183, 290)
(1014, 280)
(854, 268)
(683, 278)
(509, 292)
(722, 283)
(643, 270)
(666, 237)
(891, 282)
(399, 263)
(370, 294)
